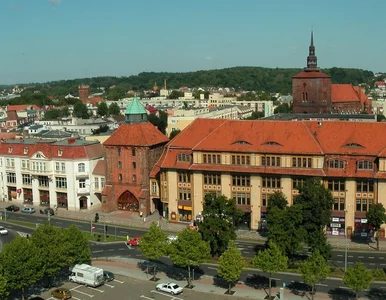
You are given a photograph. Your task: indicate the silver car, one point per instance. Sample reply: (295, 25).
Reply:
(28, 210)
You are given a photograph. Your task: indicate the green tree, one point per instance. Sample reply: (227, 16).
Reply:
(189, 250)
(256, 115)
(21, 262)
(380, 117)
(376, 217)
(154, 244)
(174, 133)
(220, 216)
(270, 261)
(314, 270)
(315, 202)
(102, 109)
(282, 109)
(358, 278)
(284, 224)
(114, 109)
(76, 248)
(80, 111)
(50, 240)
(231, 265)
(175, 94)
(4, 290)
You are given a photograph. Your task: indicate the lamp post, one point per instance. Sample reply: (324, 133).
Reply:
(346, 240)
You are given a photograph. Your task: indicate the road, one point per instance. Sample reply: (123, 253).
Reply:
(371, 260)
(251, 277)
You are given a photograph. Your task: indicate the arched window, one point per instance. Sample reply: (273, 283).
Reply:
(81, 168)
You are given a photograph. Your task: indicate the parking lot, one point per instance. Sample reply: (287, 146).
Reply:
(129, 288)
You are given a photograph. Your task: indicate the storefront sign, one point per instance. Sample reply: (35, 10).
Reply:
(363, 221)
(335, 225)
(335, 219)
(173, 216)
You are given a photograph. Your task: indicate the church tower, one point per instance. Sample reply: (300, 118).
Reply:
(135, 112)
(311, 88)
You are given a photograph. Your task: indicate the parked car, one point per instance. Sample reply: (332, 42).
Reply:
(36, 298)
(12, 208)
(170, 287)
(108, 276)
(134, 241)
(61, 293)
(28, 210)
(3, 231)
(45, 211)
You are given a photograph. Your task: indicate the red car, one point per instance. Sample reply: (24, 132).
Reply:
(134, 241)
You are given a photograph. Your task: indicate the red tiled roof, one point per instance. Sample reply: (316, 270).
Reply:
(304, 74)
(351, 141)
(142, 134)
(8, 135)
(343, 93)
(100, 168)
(378, 83)
(362, 96)
(95, 100)
(22, 107)
(51, 149)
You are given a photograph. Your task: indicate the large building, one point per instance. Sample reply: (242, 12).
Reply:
(131, 152)
(250, 160)
(313, 92)
(50, 173)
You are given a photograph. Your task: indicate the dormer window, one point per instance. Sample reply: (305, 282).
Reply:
(271, 143)
(38, 155)
(25, 150)
(336, 164)
(185, 157)
(365, 165)
(60, 152)
(10, 149)
(241, 143)
(353, 145)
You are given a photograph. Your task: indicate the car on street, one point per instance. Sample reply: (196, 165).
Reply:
(109, 276)
(170, 287)
(45, 211)
(28, 210)
(3, 231)
(134, 241)
(12, 208)
(61, 293)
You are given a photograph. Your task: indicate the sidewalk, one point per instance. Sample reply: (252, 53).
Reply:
(133, 220)
(130, 267)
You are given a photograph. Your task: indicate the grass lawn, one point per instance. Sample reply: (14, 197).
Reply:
(21, 223)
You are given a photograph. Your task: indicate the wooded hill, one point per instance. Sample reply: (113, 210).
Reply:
(240, 78)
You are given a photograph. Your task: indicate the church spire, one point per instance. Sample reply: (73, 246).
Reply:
(312, 61)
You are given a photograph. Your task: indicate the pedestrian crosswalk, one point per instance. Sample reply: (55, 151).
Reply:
(22, 234)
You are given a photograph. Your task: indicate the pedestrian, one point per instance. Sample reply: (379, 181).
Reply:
(127, 238)
(144, 219)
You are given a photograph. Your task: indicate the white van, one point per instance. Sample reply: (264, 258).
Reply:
(87, 275)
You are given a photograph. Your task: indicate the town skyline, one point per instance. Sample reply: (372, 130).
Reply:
(66, 39)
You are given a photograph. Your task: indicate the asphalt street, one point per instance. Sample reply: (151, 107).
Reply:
(250, 277)
(248, 248)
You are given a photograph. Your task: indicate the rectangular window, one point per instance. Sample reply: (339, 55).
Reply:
(336, 185)
(270, 161)
(241, 180)
(212, 179)
(134, 178)
(134, 164)
(297, 183)
(133, 152)
(336, 164)
(102, 182)
(365, 165)
(11, 178)
(63, 166)
(183, 157)
(82, 183)
(119, 165)
(211, 158)
(184, 177)
(96, 184)
(184, 194)
(338, 204)
(27, 180)
(61, 182)
(271, 182)
(25, 164)
(241, 160)
(44, 181)
(57, 166)
(154, 187)
(242, 198)
(301, 162)
(365, 186)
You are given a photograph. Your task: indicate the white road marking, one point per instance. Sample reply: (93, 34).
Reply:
(321, 284)
(97, 251)
(344, 287)
(109, 285)
(361, 257)
(110, 250)
(276, 278)
(246, 252)
(212, 268)
(121, 249)
(147, 298)
(76, 298)
(163, 294)
(118, 281)
(371, 257)
(95, 289)
(381, 257)
(80, 292)
(372, 264)
(339, 255)
(350, 256)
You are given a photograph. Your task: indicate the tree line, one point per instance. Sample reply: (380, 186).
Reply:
(276, 80)
(42, 256)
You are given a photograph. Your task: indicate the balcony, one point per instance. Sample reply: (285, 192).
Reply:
(40, 172)
(82, 174)
(83, 191)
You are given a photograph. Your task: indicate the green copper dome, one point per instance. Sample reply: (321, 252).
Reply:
(135, 107)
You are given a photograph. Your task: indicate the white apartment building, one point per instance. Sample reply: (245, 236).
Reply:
(51, 173)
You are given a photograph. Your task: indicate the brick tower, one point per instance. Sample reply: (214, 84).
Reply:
(130, 154)
(311, 88)
(83, 93)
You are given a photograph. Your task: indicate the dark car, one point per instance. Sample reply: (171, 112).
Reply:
(36, 298)
(108, 276)
(45, 211)
(12, 208)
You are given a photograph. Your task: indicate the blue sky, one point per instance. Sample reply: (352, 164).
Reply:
(43, 40)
